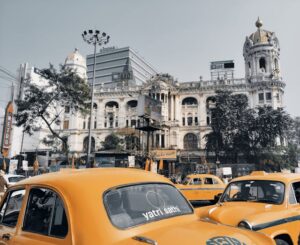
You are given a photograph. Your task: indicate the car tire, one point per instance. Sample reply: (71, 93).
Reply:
(281, 242)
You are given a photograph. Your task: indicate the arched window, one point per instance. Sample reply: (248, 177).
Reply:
(210, 102)
(262, 64)
(190, 101)
(132, 103)
(190, 142)
(85, 144)
(112, 104)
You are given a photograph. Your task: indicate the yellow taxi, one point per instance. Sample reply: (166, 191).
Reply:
(108, 206)
(268, 203)
(201, 187)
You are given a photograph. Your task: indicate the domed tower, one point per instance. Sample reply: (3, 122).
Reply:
(77, 62)
(262, 67)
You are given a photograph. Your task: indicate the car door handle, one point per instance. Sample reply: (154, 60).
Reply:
(6, 236)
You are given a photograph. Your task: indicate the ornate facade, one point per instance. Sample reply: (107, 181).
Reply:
(186, 106)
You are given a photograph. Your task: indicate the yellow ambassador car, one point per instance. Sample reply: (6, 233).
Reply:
(268, 203)
(201, 187)
(108, 206)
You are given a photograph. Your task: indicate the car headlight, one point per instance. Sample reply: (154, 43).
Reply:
(245, 225)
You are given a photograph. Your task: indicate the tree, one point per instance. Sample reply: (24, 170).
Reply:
(239, 130)
(230, 117)
(112, 142)
(43, 103)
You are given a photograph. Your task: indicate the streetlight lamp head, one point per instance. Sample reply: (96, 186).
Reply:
(84, 33)
(97, 31)
(103, 34)
(91, 31)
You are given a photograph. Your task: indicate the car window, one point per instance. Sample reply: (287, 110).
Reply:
(139, 204)
(45, 213)
(254, 191)
(196, 181)
(208, 181)
(294, 195)
(11, 208)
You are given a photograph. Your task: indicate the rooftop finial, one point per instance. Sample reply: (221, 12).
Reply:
(258, 23)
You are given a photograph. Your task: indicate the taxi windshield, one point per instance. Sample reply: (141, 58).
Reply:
(254, 191)
(143, 203)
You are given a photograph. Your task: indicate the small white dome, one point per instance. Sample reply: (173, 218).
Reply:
(75, 58)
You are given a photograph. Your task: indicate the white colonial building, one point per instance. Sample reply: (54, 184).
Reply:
(122, 76)
(185, 117)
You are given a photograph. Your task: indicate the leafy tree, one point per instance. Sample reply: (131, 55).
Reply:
(44, 102)
(112, 142)
(239, 130)
(131, 142)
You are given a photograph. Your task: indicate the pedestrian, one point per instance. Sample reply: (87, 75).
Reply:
(3, 184)
(35, 167)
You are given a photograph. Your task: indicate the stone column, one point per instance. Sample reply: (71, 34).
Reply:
(101, 114)
(122, 113)
(170, 106)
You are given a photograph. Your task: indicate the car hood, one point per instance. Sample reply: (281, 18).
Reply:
(232, 213)
(200, 232)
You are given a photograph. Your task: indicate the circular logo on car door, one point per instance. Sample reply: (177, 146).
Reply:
(224, 240)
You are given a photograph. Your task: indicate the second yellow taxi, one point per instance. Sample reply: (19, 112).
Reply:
(268, 203)
(201, 187)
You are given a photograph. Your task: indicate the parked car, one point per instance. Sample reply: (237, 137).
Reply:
(12, 179)
(201, 187)
(268, 203)
(108, 206)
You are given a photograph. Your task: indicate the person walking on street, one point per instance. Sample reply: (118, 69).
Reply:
(35, 167)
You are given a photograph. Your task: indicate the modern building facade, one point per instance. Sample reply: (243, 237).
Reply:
(119, 67)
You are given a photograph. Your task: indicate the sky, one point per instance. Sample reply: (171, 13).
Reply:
(177, 37)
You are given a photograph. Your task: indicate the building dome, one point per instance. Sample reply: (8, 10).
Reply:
(260, 36)
(77, 62)
(75, 58)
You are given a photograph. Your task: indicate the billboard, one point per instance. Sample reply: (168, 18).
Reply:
(7, 128)
(226, 64)
(149, 107)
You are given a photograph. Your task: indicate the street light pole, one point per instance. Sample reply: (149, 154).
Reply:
(95, 38)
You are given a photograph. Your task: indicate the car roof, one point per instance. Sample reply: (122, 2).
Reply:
(202, 176)
(99, 178)
(261, 175)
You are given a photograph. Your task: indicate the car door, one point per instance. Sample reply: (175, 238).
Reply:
(9, 215)
(209, 188)
(45, 219)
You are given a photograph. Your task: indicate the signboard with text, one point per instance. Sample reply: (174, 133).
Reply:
(7, 129)
(165, 154)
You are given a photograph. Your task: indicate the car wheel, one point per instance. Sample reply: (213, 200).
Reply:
(281, 242)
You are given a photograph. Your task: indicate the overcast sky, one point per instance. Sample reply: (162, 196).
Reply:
(177, 37)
